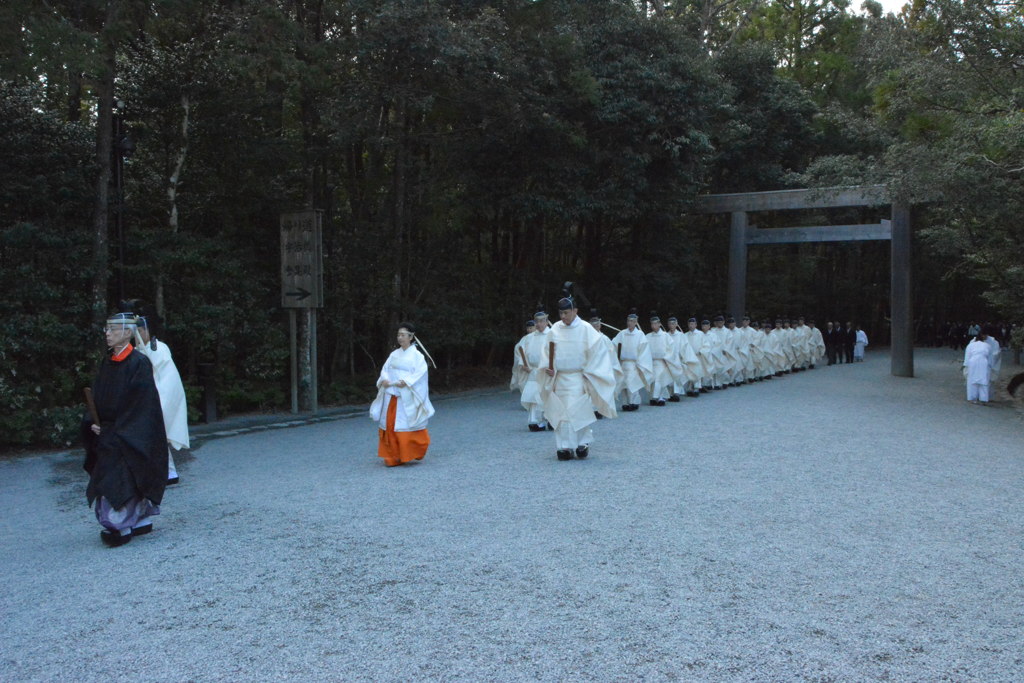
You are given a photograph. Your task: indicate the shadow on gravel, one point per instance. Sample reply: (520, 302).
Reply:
(70, 480)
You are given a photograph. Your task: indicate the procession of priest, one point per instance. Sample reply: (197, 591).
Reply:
(572, 374)
(569, 374)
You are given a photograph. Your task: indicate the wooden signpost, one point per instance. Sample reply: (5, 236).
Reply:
(302, 288)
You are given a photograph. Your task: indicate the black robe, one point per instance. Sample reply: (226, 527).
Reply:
(129, 457)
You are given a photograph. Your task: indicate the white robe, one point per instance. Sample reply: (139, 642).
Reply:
(802, 345)
(755, 350)
(701, 346)
(172, 393)
(725, 358)
(635, 359)
(690, 365)
(616, 365)
(663, 359)
(977, 369)
(414, 407)
(528, 380)
(817, 345)
(741, 350)
(995, 359)
(785, 340)
(584, 381)
(776, 346)
(860, 344)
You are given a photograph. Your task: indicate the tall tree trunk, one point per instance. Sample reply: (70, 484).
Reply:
(104, 143)
(74, 102)
(398, 212)
(172, 196)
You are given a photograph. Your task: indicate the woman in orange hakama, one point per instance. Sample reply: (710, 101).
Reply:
(402, 406)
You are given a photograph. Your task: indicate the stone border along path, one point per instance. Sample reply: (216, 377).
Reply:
(832, 525)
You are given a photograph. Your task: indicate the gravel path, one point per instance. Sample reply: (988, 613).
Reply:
(833, 525)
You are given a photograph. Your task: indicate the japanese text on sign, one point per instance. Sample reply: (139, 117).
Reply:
(301, 260)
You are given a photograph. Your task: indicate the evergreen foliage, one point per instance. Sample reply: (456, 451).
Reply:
(469, 157)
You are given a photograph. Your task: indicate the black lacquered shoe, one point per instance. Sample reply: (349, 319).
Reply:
(598, 415)
(564, 454)
(113, 539)
(582, 451)
(172, 481)
(535, 428)
(674, 398)
(142, 530)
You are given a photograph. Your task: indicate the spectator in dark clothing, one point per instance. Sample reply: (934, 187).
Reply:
(849, 339)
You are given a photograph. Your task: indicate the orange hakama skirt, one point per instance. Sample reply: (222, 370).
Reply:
(399, 448)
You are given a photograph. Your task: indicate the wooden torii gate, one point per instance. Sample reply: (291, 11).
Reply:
(896, 230)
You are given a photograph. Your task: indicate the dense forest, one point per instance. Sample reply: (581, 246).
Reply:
(469, 157)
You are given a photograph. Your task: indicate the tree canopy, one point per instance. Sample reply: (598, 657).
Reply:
(469, 157)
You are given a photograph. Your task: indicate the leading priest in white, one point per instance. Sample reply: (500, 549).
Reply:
(579, 379)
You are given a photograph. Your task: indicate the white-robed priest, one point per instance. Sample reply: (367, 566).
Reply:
(802, 339)
(725, 356)
(168, 384)
(635, 357)
(978, 366)
(526, 372)
(755, 347)
(663, 359)
(597, 324)
(736, 341)
(701, 346)
(690, 366)
(985, 335)
(579, 379)
(816, 344)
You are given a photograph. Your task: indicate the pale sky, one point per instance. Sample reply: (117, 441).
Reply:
(893, 6)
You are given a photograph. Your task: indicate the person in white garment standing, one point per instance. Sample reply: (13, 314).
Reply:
(978, 368)
(579, 379)
(635, 357)
(168, 383)
(996, 358)
(860, 343)
(526, 372)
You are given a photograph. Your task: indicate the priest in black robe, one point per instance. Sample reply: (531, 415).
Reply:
(126, 453)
